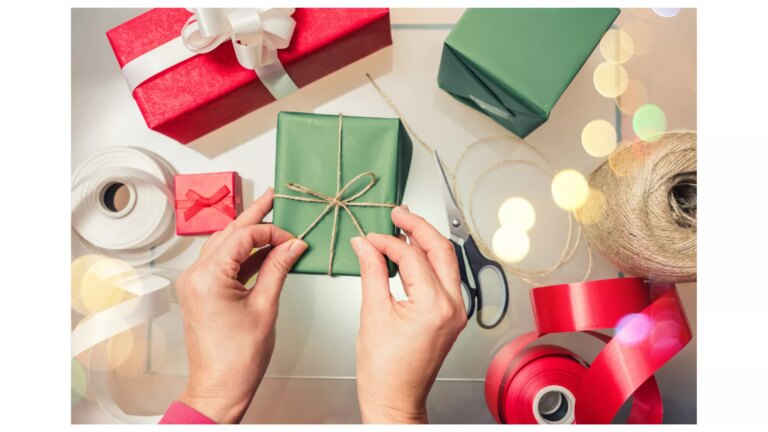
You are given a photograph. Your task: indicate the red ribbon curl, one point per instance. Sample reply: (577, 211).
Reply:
(651, 328)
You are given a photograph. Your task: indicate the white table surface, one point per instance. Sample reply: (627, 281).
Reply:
(311, 377)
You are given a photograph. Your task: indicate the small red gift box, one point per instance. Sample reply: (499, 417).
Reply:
(202, 93)
(206, 203)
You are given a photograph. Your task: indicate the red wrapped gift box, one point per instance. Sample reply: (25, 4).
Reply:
(210, 90)
(206, 203)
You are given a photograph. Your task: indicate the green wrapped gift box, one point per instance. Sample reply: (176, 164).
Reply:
(306, 168)
(514, 64)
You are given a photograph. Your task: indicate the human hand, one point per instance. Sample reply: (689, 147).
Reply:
(230, 330)
(401, 345)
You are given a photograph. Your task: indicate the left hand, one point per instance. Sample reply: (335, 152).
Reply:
(230, 330)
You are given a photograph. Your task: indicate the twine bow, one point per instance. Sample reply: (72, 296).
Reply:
(200, 202)
(336, 201)
(256, 34)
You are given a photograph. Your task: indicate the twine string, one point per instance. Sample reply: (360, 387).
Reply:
(335, 202)
(529, 276)
(646, 222)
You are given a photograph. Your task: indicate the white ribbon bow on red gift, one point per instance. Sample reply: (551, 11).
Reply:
(256, 35)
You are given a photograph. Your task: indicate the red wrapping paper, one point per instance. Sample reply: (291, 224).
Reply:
(210, 90)
(206, 203)
(650, 329)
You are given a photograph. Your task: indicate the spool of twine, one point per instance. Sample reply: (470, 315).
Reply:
(641, 213)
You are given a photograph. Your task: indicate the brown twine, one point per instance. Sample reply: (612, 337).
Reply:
(643, 217)
(530, 276)
(335, 202)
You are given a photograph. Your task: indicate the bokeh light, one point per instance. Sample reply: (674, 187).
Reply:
(598, 138)
(637, 332)
(79, 269)
(622, 161)
(517, 212)
(668, 332)
(643, 13)
(148, 349)
(666, 338)
(570, 189)
(510, 244)
(634, 96)
(667, 12)
(640, 35)
(610, 79)
(79, 381)
(593, 210)
(119, 348)
(649, 122)
(616, 46)
(642, 150)
(96, 282)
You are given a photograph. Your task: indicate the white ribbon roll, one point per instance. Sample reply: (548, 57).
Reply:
(144, 225)
(256, 35)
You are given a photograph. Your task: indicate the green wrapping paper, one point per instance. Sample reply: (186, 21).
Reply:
(307, 146)
(514, 64)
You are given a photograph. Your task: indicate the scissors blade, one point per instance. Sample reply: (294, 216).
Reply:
(455, 221)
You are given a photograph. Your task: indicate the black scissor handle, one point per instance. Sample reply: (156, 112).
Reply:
(468, 293)
(477, 263)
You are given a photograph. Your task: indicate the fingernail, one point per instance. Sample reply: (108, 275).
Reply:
(355, 242)
(298, 246)
(267, 190)
(405, 207)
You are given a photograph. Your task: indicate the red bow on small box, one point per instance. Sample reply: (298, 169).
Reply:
(200, 202)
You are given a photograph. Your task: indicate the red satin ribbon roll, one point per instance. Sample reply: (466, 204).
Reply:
(539, 368)
(650, 329)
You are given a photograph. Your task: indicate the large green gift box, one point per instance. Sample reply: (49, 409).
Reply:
(514, 64)
(373, 152)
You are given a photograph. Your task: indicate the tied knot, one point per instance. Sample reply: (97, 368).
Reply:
(337, 201)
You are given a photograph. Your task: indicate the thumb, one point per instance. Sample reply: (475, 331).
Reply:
(373, 271)
(277, 264)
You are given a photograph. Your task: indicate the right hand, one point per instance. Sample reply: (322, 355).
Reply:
(401, 345)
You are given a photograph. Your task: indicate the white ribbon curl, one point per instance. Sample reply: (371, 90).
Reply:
(256, 35)
(152, 300)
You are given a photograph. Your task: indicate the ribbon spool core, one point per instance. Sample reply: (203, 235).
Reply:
(554, 405)
(117, 198)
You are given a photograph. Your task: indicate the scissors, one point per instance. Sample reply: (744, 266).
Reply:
(471, 261)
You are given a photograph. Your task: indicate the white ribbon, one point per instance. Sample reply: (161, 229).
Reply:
(256, 35)
(152, 300)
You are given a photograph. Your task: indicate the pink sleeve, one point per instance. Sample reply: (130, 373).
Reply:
(179, 413)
